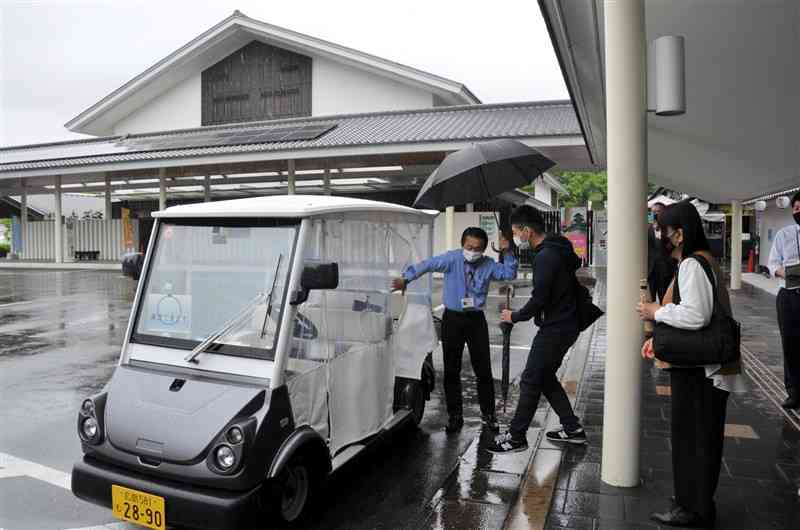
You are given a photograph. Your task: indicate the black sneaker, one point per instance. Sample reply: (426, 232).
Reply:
(490, 422)
(506, 443)
(578, 436)
(454, 424)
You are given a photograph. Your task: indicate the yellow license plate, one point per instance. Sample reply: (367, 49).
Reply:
(138, 507)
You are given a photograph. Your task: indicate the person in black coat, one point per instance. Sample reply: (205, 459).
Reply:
(554, 308)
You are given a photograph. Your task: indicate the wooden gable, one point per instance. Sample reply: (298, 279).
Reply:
(257, 82)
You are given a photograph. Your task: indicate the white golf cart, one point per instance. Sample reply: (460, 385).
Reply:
(262, 353)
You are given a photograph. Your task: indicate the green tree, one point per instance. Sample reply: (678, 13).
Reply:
(584, 186)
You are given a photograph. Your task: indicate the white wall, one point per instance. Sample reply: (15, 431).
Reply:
(341, 89)
(336, 89)
(177, 108)
(773, 218)
(542, 191)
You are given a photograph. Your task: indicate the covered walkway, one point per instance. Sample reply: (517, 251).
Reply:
(673, 93)
(761, 462)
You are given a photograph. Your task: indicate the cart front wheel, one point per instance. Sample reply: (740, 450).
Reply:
(292, 496)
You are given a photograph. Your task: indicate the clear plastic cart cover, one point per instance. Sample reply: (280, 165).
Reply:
(347, 348)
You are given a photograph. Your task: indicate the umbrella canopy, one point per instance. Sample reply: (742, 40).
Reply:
(481, 172)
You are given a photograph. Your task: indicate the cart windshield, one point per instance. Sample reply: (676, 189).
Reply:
(217, 274)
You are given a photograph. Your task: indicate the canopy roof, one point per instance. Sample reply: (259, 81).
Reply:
(737, 139)
(388, 149)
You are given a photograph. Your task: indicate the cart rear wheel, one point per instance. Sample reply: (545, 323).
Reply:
(417, 405)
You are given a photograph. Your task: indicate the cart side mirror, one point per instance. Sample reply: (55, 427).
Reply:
(316, 277)
(132, 265)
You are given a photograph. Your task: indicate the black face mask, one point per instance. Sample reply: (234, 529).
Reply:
(797, 218)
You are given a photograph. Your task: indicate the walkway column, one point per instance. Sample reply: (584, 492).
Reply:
(450, 227)
(58, 227)
(162, 189)
(326, 180)
(627, 231)
(292, 188)
(736, 245)
(108, 253)
(23, 212)
(207, 189)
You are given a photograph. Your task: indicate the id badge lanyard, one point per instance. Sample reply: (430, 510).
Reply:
(469, 279)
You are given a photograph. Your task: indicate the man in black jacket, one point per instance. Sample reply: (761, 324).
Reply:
(553, 307)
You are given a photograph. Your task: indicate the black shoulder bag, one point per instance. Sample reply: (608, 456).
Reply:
(587, 312)
(717, 343)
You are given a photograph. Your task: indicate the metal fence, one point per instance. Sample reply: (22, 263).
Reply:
(104, 237)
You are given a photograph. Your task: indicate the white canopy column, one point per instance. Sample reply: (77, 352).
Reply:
(326, 179)
(207, 188)
(58, 227)
(450, 227)
(736, 245)
(291, 185)
(162, 189)
(627, 231)
(23, 213)
(107, 222)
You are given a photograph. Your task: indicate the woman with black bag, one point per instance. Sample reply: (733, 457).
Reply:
(699, 392)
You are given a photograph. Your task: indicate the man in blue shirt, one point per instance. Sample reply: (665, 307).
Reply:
(467, 274)
(785, 254)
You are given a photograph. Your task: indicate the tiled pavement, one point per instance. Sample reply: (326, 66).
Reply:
(761, 468)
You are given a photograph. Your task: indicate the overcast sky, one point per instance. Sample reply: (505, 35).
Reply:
(57, 57)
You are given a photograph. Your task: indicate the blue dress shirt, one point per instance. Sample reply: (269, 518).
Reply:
(463, 279)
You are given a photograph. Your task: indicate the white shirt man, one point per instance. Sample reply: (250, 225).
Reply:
(785, 253)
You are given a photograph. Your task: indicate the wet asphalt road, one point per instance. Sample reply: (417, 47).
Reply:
(60, 335)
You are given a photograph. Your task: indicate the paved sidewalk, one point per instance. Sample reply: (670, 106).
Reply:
(761, 465)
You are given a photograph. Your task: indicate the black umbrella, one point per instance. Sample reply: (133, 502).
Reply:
(481, 172)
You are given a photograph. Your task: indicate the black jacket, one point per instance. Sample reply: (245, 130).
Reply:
(552, 303)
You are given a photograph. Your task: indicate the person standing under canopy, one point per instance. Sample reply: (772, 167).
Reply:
(784, 262)
(467, 275)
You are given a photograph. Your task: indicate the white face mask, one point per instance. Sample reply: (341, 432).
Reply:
(472, 255)
(522, 244)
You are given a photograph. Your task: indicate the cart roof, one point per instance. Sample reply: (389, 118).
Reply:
(288, 206)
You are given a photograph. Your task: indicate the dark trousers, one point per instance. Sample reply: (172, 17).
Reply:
(698, 432)
(539, 377)
(788, 303)
(468, 328)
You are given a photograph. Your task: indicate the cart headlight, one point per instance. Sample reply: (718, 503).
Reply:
(90, 428)
(225, 457)
(90, 419)
(235, 435)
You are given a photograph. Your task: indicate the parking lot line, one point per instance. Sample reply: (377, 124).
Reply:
(12, 304)
(13, 466)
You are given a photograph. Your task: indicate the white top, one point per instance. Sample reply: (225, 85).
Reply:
(694, 312)
(785, 250)
(288, 206)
